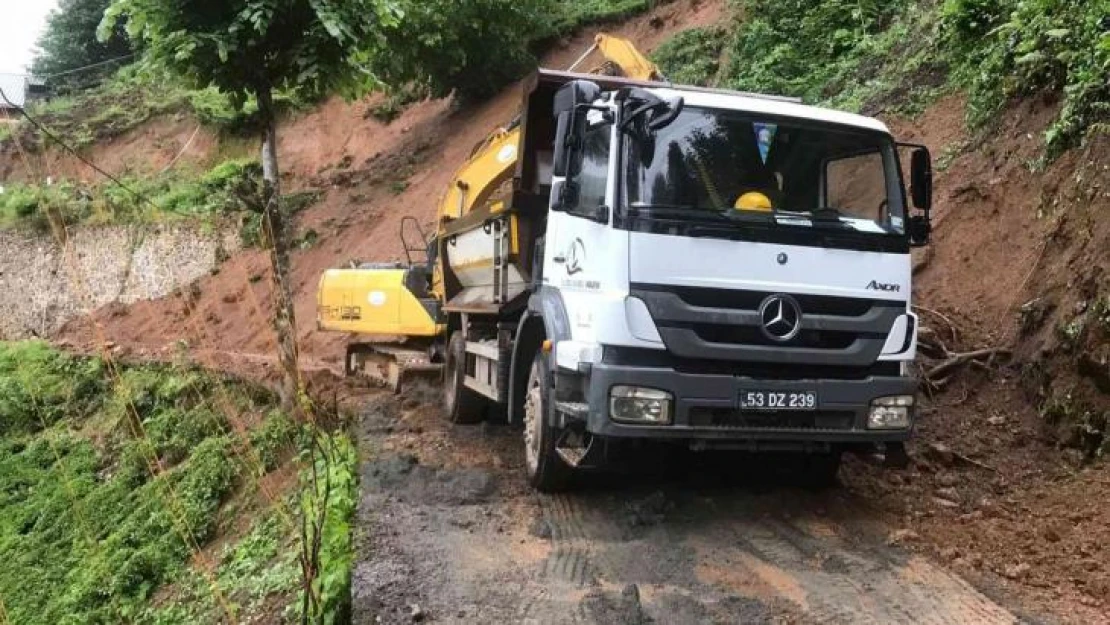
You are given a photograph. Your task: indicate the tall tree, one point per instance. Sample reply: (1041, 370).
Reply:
(69, 42)
(470, 47)
(250, 48)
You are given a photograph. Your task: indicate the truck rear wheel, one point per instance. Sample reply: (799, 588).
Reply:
(462, 404)
(547, 472)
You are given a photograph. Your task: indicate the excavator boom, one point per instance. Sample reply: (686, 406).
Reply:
(493, 161)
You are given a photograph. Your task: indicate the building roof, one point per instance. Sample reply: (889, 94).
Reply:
(15, 88)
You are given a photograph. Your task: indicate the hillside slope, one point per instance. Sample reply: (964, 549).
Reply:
(372, 176)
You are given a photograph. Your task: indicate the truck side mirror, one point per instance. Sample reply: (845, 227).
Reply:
(919, 229)
(570, 115)
(921, 178)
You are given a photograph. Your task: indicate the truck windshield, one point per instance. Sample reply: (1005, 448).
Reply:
(731, 165)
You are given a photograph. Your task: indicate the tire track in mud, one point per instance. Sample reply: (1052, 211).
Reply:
(454, 530)
(835, 582)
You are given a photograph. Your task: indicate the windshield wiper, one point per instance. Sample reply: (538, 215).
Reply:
(825, 214)
(673, 210)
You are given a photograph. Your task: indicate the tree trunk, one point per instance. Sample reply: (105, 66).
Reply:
(274, 229)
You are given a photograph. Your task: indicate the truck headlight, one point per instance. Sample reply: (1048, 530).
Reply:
(636, 404)
(890, 413)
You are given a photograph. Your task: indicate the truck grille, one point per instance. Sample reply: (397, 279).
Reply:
(723, 324)
(636, 357)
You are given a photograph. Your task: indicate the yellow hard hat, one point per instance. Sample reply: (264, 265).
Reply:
(753, 201)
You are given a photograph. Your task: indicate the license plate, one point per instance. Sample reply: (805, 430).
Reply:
(778, 400)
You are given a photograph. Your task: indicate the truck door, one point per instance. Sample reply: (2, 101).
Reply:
(584, 255)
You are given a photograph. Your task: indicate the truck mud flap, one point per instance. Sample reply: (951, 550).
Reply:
(580, 449)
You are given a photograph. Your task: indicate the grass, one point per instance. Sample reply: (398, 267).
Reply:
(570, 14)
(224, 190)
(131, 97)
(108, 485)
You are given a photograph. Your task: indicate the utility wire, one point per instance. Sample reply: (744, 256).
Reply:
(83, 68)
(38, 126)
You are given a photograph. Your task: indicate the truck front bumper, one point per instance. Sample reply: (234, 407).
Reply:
(706, 407)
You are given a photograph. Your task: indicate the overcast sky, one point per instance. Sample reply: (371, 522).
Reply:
(21, 22)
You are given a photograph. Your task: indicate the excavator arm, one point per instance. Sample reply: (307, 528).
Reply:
(493, 161)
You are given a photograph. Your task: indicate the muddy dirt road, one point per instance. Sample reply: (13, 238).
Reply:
(452, 535)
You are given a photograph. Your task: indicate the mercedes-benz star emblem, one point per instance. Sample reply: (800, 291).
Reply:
(782, 258)
(780, 318)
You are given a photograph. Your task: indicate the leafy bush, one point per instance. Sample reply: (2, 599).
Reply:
(1018, 47)
(803, 48)
(40, 386)
(475, 47)
(274, 438)
(568, 15)
(692, 57)
(471, 47)
(227, 189)
(203, 484)
(854, 53)
(95, 522)
(337, 458)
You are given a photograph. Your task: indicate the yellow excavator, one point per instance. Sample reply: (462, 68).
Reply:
(394, 312)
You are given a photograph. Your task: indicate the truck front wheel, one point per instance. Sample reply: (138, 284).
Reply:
(547, 472)
(462, 404)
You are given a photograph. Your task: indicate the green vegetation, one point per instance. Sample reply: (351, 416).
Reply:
(866, 54)
(328, 501)
(114, 482)
(225, 190)
(473, 48)
(131, 97)
(693, 57)
(1019, 47)
(111, 480)
(568, 15)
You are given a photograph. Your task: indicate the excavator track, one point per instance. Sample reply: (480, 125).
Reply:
(390, 365)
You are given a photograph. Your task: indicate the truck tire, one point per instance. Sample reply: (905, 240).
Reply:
(546, 470)
(462, 405)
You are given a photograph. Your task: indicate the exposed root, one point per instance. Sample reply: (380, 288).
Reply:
(955, 360)
(941, 363)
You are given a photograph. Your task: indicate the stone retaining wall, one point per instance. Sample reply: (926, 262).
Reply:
(44, 284)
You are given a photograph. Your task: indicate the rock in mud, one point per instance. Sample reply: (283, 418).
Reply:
(949, 494)
(1016, 571)
(940, 453)
(651, 510)
(625, 609)
(947, 479)
(945, 503)
(901, 536)
(540, 528)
